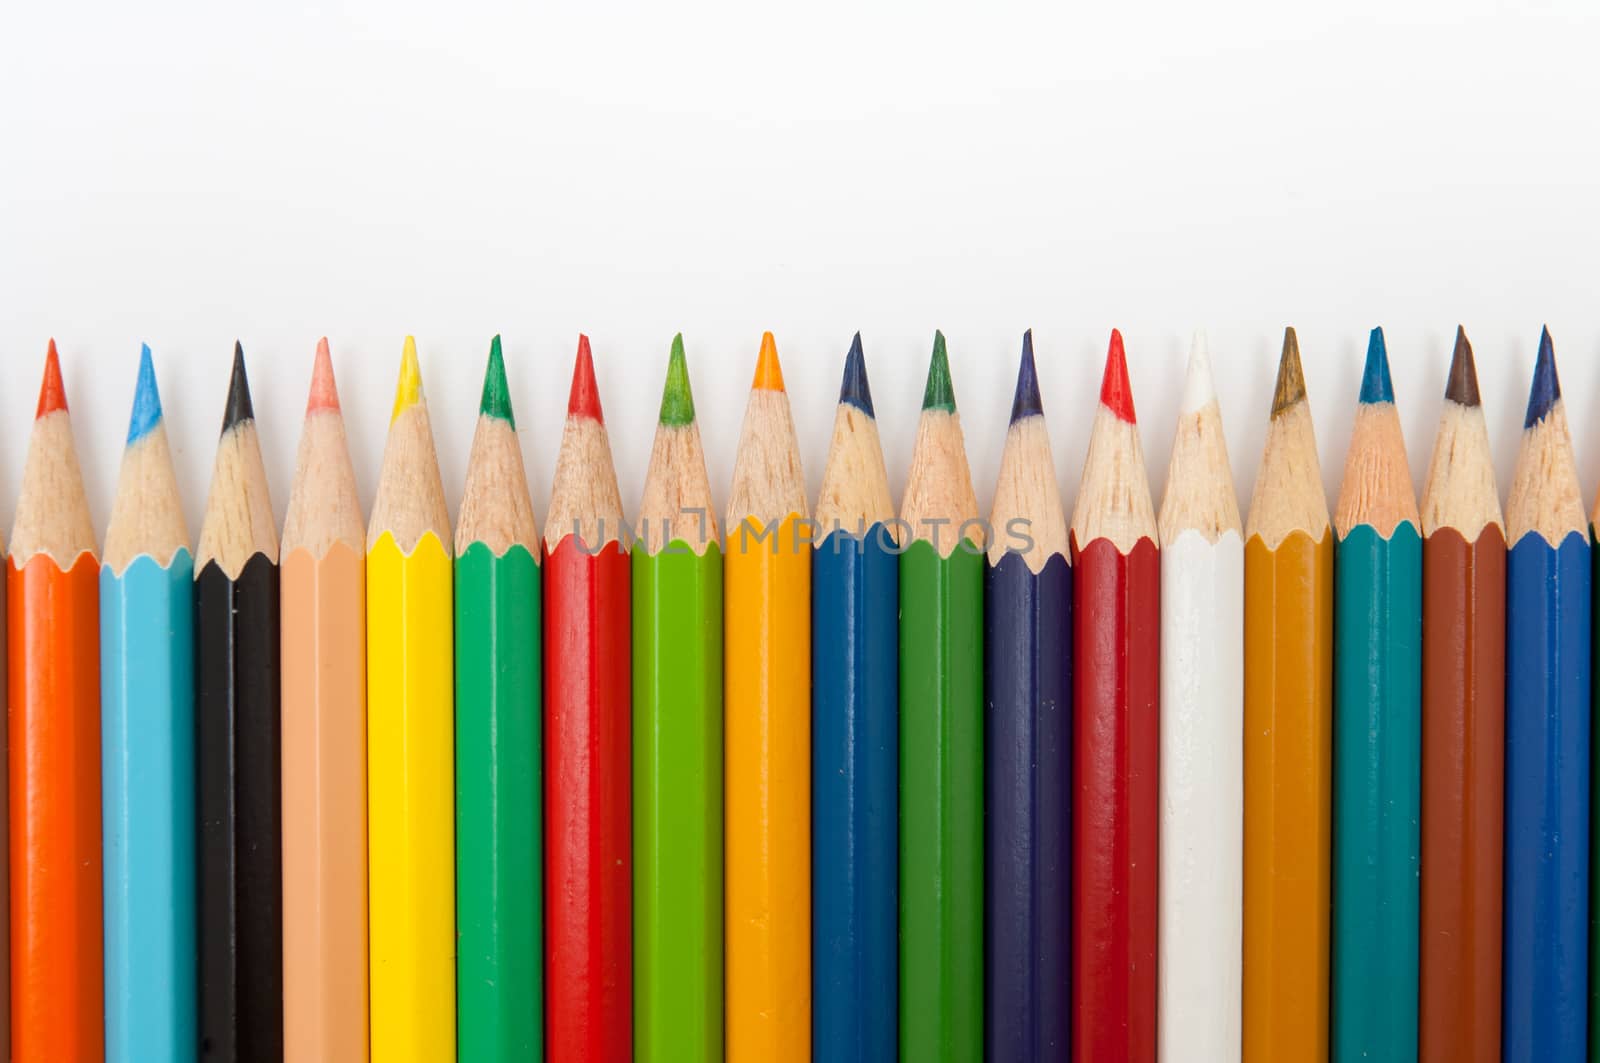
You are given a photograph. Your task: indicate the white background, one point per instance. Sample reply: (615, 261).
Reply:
(188, 173)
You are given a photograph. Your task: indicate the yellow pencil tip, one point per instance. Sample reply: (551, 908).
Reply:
(769, 375)
(408, 391)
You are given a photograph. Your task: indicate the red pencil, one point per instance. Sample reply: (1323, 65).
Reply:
(587, 780)
(1116, 658)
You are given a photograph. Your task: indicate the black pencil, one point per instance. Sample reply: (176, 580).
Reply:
(237, 750)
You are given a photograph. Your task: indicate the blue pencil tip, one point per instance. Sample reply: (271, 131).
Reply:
(1026, 402)
(146, 399)
(1375, 383)
(854, 389)
(1546, 387)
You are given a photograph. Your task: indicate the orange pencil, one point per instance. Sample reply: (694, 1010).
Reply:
(53, 615)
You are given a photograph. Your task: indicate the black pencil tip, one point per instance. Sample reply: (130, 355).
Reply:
(239, 407)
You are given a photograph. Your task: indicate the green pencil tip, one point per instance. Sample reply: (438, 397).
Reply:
(677, 401)
(940, 394)
(496, 395)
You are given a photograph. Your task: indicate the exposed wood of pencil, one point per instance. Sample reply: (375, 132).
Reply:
(855, 483)
(238, 522)
(1026, 490)
(410, 499)
(677, 492)
(1460, 491)
(495, 507)
(146, 515)
(1288, 496)
(768, 483)
(324, 505)
(1545, 498)
(1200, 495)
(1376, 489)
(52, 509)
(1114, 492)
(939, 497)
(584, 498)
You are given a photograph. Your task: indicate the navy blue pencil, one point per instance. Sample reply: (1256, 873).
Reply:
(1546, 975)
(855, 690)
(1027, 744)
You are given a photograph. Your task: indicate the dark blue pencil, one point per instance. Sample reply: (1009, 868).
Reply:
(1547, 740)
(1027, 745)
(855, 588)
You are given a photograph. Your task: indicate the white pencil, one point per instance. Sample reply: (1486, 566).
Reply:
(1202, 737)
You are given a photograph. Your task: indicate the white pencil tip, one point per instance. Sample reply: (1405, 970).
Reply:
(1199, 391)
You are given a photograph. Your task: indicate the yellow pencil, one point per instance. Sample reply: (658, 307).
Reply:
(767, 734)
(410, 743)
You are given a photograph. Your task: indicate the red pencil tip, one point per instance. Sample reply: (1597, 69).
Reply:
(324, 391)
(1115, 393)
(52, 393)
(584, 401)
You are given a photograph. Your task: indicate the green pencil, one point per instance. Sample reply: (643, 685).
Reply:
(499, 896)
(941, 740)
(677, 744)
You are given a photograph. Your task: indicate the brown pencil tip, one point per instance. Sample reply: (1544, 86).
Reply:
(1462, 386)
(1291, 386)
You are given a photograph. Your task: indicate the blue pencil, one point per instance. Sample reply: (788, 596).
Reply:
(147, 750)
(1547, 740)
(1027, 745)
(855, 583)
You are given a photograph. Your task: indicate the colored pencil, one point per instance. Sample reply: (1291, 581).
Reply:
(323, 644)
(53, 620)
(1288, 735)
(147, 748)
(941, 738)
(1547, 731)
(1377, 758)
(767, 733)
(588, 848)
(1027, 771)
(677, 743)
(237, 747)
(1202, 736)
(410, 734)
(1116, 658)
(499, 822)
(1463, 733)
(855, 684)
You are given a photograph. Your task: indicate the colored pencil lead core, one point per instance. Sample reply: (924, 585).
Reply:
(496, 400)
(146, 399)
(1546, 389)
(584, 398)
(677, 400)
(940, 393)
(1199, 390)
(1375, 383)
(854, 389)
(1116, 394)
(1291, 387)
(769, 374)
(1462, 386)
(52, 393)
(1026, 401)
(408, 388)
(324, 391)
(238, 407)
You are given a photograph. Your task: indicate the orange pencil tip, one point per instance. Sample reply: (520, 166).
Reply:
(324, 391)
(52, 393)
(769, 374)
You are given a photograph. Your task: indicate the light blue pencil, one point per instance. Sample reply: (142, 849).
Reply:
(147, 750)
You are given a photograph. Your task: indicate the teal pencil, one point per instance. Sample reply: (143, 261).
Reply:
(147, 749)
(1377, 735)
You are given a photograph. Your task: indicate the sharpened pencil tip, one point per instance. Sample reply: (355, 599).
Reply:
(769, 374)
(238, 408)
(1025, 401)
(408, 388)
(584, 398)
(1116, 394)
(939, 393)
(496, 398)
(854, 388)
(677, 398)
(1375, 383)
(1462, 386)
(1290, 389)
(52, 393)
(324, 391)
(1199, 389)
(1546, 389)
(146, 399)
